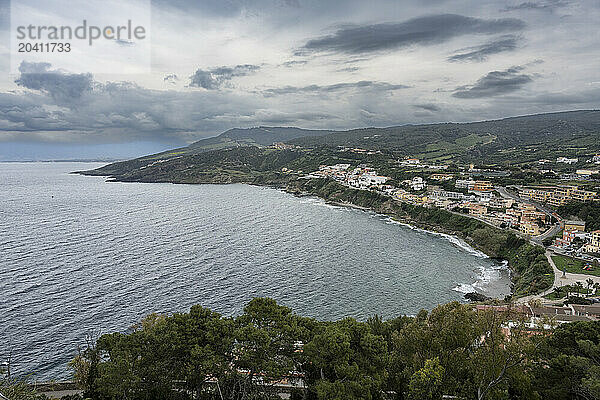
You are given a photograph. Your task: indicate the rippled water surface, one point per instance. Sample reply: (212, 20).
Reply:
(79, 255)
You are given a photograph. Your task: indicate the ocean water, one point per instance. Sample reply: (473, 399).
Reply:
(80, 256)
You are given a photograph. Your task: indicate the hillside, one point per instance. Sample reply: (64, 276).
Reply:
(527, 138)
(262, 136)
(516, 141)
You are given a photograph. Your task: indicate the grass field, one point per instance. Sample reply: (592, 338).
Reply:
(573, 266)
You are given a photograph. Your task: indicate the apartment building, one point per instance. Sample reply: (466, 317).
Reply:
(594, 245)
(496, 202)
(530, 228)
(583, 195)
(441, 177)
(575, 226)
(477, 210)
(464, 184)
(483, 186)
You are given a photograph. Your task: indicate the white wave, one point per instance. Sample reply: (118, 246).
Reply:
(452, 239)
(464, 288)
(485, 276)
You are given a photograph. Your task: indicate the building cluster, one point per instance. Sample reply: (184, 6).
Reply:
(510, 214)
(565, 160)
(557, 195)
(475, 197)
(415, 162)
(357, 150)
(575, 239)
(361, 177)
(283, 146)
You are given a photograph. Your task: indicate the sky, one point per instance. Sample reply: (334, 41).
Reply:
(220, 64)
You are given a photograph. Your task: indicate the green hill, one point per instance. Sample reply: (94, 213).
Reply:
(520, 139)
(517, 141)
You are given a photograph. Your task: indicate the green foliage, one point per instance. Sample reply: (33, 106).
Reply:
(588, 212)
(16, 389)
(452, 351)
(572, 366)
(347, 361)
(426, 383)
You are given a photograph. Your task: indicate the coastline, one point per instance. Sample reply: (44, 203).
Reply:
(526, 262)
(519, 256)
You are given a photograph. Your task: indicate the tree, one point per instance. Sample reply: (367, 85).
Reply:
(569, 362)
(499, 360)
(266, 345)
(426, 383)
(558, 292)
(347, 361)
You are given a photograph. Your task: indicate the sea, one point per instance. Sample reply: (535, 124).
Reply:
(80, 257)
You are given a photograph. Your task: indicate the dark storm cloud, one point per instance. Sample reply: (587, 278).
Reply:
(64, 88)
(481, 53)
(427, 107)
(113, 111)
(541, 5)
(26, 114)
(427, 30)
(217, 77)
(318, 89)
(495, 83)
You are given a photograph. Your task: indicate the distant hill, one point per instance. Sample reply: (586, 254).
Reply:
(240, 137)
(528, 137)
(510, 141)
(264, 136)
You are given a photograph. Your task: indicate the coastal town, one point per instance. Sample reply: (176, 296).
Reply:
(529, 211)
(523, 210)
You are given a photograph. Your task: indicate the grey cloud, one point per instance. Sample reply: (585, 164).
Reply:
(63, 87)
(427, 30)
(348, 69)
(293, 63)
(279, 118)
(113, 111)
(217, 77)
(575, 99)
(122, 42)
(171, 78)
(482, 52)
(495, 83)
(365, 85)
(428, 107)
(550, 6)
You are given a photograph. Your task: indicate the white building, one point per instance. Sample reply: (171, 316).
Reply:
(464, 184)
(418, 183)
(566, 160)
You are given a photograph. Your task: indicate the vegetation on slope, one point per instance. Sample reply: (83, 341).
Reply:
(452, 351)
(588, 212)
(510, 141)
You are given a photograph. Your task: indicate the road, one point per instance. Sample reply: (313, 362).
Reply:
(550, 232)
(559, 280)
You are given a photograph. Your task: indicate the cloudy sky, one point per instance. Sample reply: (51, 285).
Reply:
(219, 64)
